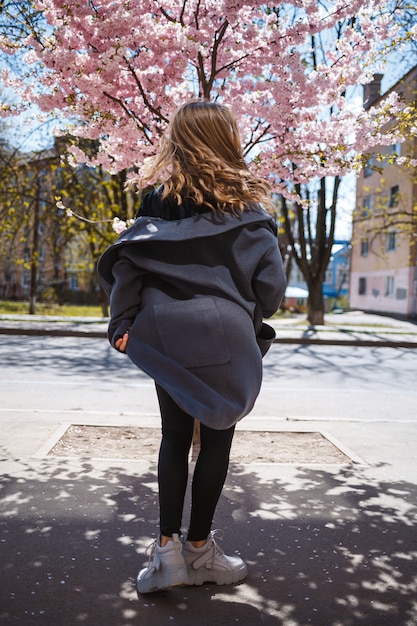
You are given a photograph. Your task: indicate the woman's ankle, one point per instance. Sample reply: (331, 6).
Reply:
(198, 544)
(163, 540)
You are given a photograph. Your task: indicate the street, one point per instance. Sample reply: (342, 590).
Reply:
(61, 374)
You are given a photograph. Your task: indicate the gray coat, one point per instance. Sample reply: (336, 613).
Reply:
(192, 293)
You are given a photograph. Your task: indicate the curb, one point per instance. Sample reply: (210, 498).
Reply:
(366, 343)
(54, 332)
(100, 334)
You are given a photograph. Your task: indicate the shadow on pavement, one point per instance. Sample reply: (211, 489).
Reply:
(324, 547)
(95, 357)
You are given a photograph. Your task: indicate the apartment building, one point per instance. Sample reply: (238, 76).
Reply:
(383, 275)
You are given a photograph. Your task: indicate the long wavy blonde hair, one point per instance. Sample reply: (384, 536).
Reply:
(201, 158)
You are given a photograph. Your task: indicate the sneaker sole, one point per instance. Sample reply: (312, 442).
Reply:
(162, 580)
(228, 577)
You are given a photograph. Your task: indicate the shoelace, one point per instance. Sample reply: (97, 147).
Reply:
(217, 533)
(151, 550)
(216, 548)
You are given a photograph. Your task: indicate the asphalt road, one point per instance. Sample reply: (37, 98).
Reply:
(58, 375)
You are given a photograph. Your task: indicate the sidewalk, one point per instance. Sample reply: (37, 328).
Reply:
(351, 328)
(326, 544)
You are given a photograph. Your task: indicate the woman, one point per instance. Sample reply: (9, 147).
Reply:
(189, 285)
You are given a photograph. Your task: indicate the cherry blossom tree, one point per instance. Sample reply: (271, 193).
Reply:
(114, 71)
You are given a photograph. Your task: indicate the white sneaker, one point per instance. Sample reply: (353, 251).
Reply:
(210, 564)
(166, 567)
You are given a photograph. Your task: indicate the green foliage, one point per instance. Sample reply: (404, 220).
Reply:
(48, 243)
(8, 307)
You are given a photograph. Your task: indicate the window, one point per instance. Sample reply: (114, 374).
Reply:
(394, 150)
(368, 169)
(393, 196)
(364, 247)
(362, 286)
(391, 241)
(25, 280)
(389, 286)
(73, 282)
(367, 206)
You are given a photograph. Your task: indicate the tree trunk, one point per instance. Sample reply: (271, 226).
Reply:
(34, 254)
(104, 302)
(315, 303)
(310, 234)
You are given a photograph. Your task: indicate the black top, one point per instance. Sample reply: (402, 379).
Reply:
(168, 209)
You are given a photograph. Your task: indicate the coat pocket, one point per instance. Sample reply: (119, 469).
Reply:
(192, 333)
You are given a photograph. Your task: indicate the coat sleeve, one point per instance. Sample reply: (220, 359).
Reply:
(269, 280)
(125, 297)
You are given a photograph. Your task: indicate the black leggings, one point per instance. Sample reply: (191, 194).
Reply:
(209, 473)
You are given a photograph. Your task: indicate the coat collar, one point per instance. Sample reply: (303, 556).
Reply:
(156, 229)
(202, 225)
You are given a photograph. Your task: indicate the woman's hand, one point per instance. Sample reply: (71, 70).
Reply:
(121, 343)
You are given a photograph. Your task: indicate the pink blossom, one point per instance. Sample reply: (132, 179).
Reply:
(119, 226)
(115, 71)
